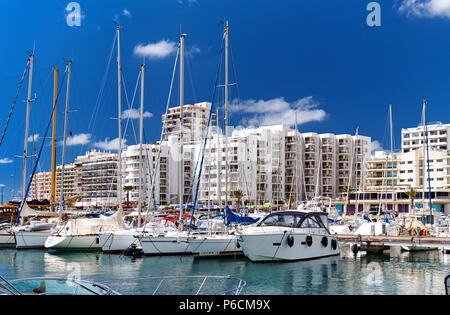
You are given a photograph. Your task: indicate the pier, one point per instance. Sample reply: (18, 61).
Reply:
(379, 243)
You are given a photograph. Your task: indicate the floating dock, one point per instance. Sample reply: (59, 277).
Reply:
(379, 243)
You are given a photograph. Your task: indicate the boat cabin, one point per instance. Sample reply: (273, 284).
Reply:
(296, 219)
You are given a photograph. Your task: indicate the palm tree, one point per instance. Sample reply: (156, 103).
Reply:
(412, 195)
(238, 194)
(348, 190)
(127, 189)
(289, 200)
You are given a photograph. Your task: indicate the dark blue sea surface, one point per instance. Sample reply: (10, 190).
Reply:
(394, 273)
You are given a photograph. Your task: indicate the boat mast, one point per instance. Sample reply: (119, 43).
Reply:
(423, 162)
(181, 190)
(25, 145)
(392, 158)
(53, 174)
(66, 114)
(226, 31)
(119, 98)
(219, 165)
(141, 133)
(428, 165)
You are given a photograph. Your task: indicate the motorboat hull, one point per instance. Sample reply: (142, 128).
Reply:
(215, 245)
(31, 239)
(73, 242)
(165, 245)
(115, 243)
(276, 247)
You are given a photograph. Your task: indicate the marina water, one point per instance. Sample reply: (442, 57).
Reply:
(392, 273)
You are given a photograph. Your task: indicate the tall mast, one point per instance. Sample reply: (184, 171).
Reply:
(53, 174)
(141, 133)
(428, 165)
(119, 98)
(181, 192)
(226, 30)
(25, 145)
(392, 157)
(66, 115)
(423, 161)
(219, 165)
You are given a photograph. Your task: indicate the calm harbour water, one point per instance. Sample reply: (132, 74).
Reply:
(397, 273)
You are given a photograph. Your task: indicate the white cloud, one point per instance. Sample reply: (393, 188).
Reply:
(2, 185)
(80, 139)
(126, 12)
(189, 2)
(193, 50)
(426, 8)
(158, 50)
(110, 145)
(134, 114)
(376, 146)
(6, 161)
(279, 111)
(33, 138)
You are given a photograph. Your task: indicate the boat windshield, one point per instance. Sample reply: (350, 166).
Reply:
(283, 219)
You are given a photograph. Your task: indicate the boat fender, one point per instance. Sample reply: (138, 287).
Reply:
(309, 240)
(290, 240)
(324, 241)
(238, 245)
(333, 244)
(355, 248)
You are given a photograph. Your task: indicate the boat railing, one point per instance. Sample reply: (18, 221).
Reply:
(202, 289)
(447, 284)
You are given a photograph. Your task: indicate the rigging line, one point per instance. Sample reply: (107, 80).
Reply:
(167, 110)
(152, 183)
(102, 86)
(206, 136)
(15, 99)
(40, 150)
(130, 106)
(191, 77)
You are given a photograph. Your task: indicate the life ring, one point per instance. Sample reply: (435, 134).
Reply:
(309, 240)
(290, 240)
(333, 244)
(324, 241)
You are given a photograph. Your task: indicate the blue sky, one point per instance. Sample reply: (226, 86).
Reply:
(317, 57)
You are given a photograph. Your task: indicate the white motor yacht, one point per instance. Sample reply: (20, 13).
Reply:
(289, 235)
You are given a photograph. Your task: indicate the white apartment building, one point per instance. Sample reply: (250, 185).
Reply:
(97, 176)
(390, 176)
(194, 122)
(155, 172)
(438, 137)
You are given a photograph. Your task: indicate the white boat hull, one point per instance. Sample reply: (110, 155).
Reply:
(275, 247)
(215, 245)
(115, 243)
(7, 238)
(164, 245)
(27, 239)
(76, 242)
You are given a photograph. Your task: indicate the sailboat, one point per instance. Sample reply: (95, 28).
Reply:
(7, 238)
(172, 242)
(35, 233)
(83, 233)
(221, 243)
